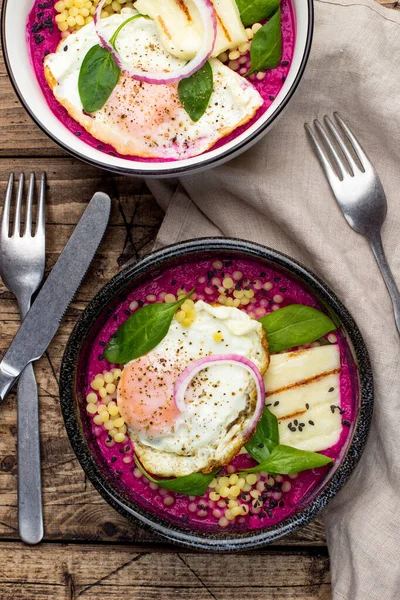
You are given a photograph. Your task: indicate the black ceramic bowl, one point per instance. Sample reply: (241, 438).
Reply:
(92, 321)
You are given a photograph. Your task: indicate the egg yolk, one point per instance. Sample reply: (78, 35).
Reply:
(146, 395)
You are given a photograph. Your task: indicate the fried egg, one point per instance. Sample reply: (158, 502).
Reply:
(219, 402)
(141, 119)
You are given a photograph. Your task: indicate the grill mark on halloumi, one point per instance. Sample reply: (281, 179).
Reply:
(297, 413)
(182, 5)
(221, 24)
(303, 382)
(164, 27)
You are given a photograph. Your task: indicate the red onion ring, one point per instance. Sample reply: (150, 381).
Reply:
(209, 20)
(183, 381)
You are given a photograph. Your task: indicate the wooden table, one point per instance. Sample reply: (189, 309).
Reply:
(89, 550)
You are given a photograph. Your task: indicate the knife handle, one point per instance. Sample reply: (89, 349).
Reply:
(30, 512)
(7, 380)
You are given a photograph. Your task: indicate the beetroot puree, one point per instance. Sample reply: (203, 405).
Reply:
(285, 494)
(43, 40)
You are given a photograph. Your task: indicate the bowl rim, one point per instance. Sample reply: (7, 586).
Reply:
(203, 163)
(167, 529)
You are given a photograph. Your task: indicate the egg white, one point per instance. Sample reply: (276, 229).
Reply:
(141, 119)
(220, 401)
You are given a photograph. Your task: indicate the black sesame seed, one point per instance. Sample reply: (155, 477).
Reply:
(276, 279)
(333, 408)
(342, 411)
(272, 98)
(276, 403)
(173, 282)
(103, 344)
(267, 405)
(263, 274)
(302, 425)
(101, 357)
(281, 504)
(260, 445)
(284, 63)
(140, 302)
(331, 389)
(210, 274)
(113, 459)
(284, 79)
(346, 423)
(65, 48)
(282, 290)
(307, 406)
(127, 312)
(311, 422)
(296, 422)
(290, 425)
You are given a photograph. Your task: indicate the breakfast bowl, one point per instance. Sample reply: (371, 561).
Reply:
(161, 130)
(203, 406)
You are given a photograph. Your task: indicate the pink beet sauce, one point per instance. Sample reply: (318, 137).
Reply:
(43, 40)
(117, 460)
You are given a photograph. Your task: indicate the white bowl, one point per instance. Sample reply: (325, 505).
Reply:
(23, 78)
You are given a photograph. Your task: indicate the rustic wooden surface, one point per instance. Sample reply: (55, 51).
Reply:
(89, 550)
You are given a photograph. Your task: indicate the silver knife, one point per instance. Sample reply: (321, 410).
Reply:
(43, 320)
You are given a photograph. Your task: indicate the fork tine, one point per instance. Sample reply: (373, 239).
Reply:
(28, 218)
(321, 153)
(364, 160)
(5, 215)
(17, 217)
(338, 161)
(339, 139)
(40, 221)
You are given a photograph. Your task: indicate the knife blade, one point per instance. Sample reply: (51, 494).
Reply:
(43, 320)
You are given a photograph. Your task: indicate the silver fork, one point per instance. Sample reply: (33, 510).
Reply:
(357, 189)
(22, 262)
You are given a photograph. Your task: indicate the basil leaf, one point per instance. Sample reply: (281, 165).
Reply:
(286, 460)
(295, 325)
(98, 76)
(142, 331)
(195, 484)
(195, 92)
(266, 47)
(265, 437)
(254, 11)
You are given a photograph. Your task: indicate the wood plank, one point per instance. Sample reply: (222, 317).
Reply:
(69, 572)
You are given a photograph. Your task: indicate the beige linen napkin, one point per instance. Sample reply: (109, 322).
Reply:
(276, 194)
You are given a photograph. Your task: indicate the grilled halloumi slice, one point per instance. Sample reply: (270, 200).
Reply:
(180, 29)
(303, 391)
